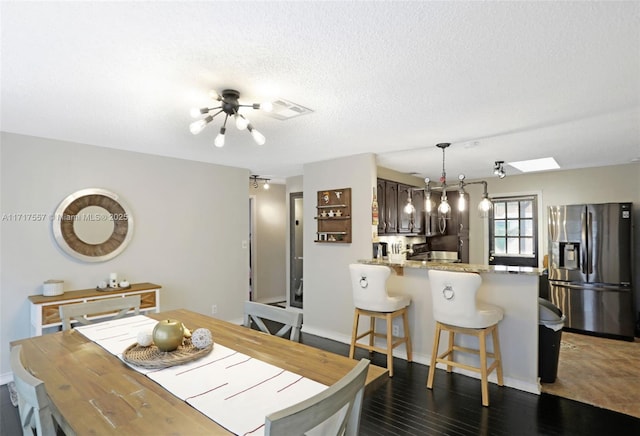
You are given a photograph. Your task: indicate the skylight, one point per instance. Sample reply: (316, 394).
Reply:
(528, 166)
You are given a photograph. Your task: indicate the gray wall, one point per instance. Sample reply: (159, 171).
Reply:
(328, 302)
(190, 221)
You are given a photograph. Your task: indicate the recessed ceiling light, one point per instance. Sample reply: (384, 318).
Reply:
(528, 166)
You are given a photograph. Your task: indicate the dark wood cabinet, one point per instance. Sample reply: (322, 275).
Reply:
(391, 207)
(392, 199)
(382, 214)
(418, 215)
(452, 225)
(451, 234)
(411, 223)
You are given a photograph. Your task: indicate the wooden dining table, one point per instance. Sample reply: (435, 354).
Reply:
(98, 394)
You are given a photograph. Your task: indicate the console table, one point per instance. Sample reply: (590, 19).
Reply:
(45, 310)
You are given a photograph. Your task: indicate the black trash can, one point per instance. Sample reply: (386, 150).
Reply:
(550, 324)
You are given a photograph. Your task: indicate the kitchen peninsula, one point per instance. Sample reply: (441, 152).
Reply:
(515, 289)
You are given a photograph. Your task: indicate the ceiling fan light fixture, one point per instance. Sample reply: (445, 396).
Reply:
(230, 105)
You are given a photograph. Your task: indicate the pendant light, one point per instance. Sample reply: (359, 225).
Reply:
(444, 208)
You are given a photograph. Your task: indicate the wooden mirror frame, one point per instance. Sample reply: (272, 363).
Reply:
(67, 213)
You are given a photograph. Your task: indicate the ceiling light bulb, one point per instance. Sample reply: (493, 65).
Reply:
(444, 207)
(462, 203)
(485, 207)
(219, 141)
(257, 136)
(197, 126)
(408, 208)
(266, 185)
(428, 204)
(214, 95)
(267, 106)
(241, 122)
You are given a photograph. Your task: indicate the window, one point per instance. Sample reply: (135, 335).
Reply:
(513, 231)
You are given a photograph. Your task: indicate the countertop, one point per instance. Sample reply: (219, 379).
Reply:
(453, 266)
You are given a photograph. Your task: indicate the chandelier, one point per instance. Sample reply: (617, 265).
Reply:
(444, 208)
(230, 106)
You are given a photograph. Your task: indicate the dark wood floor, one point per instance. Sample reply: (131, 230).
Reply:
(403, 406)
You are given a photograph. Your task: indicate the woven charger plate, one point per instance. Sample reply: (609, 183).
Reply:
(152, 358)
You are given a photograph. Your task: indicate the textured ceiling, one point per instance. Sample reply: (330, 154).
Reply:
(500, 80)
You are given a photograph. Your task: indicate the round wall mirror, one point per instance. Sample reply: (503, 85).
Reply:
(93, 225)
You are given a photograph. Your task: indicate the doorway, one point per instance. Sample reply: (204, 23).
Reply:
(296, 227)
(252, 246)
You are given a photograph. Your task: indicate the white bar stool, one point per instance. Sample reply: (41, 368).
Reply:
(370, 297)
(456, 310)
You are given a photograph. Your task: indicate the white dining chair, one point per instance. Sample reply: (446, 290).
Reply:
(37, 412)
(107, 308)
(334, 411)
(258, 313)
(370, 298)
(456, 310)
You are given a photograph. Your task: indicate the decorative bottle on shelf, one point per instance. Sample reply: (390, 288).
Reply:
(374, 208)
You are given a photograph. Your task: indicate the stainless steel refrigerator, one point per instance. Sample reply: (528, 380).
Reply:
(590, 267)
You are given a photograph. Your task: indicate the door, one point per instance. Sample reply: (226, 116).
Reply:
(609, 243)
(595, 308)
(405, 220)
(391, 207)
(567, 243)
(382, 210)
(513, 231)
(252, 247)
(296, 227)
(418, 204)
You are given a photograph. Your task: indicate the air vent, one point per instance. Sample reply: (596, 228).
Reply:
(285, 110)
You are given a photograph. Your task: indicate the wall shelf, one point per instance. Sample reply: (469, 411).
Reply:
(334, 228)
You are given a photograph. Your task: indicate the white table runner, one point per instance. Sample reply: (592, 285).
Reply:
(231, 388)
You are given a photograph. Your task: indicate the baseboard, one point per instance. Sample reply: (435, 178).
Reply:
(328, 334)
